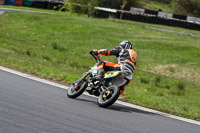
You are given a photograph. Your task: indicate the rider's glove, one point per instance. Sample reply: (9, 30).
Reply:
(94, 52)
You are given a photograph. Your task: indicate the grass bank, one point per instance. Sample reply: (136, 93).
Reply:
(57, 47)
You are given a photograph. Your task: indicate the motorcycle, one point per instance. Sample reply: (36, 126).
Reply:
(106, 89)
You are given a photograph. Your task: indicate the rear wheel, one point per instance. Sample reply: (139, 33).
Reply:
(108, 97)
(74, 91)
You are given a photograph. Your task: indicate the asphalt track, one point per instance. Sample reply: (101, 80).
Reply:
(28, 106)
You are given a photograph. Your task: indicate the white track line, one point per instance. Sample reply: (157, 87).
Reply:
(119, 102)
(33, 78)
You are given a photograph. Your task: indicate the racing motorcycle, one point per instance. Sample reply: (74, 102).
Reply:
(106, 89)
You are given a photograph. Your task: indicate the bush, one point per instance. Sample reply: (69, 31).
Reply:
(167, 86)
(144, 80)
(133, 3)
(158, 80)
(82, 6)
(181, 86)
(28, 52)
(58, 47)
(116, 4)
(163, 1)
(188, 7)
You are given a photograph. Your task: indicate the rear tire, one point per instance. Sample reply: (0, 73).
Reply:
(105, 102)
(71, 93)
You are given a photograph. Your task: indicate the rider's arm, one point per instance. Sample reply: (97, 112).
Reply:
(106, 52)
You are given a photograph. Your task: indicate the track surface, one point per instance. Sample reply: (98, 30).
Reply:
(28, 106)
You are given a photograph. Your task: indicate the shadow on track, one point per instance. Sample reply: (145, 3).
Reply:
(122, 108)
(85, 100)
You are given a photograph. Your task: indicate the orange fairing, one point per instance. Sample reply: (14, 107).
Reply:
(109, 64)
(101, 66)
(112, 64)
(103, 52)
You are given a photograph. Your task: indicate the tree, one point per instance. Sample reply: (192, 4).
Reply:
(122, 7)
(82, 6)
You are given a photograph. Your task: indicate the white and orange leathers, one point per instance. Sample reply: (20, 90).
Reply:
(126, 61)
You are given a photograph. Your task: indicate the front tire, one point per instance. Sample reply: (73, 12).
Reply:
(111, 98)
(72, 93)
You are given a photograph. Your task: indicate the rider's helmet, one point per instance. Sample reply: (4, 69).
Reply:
(126, 44)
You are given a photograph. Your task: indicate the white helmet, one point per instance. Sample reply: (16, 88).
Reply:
(126, 44)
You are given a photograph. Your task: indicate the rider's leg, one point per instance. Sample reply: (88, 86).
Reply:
(101, 67)
(122, 87)
(107, 66)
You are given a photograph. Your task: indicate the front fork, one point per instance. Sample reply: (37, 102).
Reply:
(77, 85)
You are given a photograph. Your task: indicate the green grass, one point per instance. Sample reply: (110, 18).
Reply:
(57, 47)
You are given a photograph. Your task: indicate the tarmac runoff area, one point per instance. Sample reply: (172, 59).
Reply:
(1, 12)
(170, 31)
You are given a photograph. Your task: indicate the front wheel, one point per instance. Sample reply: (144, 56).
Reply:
(108, 97)
(73, 93)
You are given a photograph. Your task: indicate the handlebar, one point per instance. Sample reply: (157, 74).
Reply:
(96, 57)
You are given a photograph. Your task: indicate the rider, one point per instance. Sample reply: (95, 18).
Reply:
(126, 61)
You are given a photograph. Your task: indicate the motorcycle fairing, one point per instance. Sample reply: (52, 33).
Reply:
(111, 74)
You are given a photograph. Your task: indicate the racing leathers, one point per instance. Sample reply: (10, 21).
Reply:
(126, 61)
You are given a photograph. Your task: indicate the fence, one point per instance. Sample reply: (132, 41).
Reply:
(149, 16)
(45, 4)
